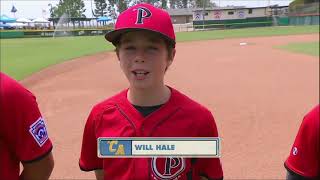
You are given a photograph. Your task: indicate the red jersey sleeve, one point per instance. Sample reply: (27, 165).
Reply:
(23, 126)
(209, 167)
(33, 142)
(305, 155)
(89, 159)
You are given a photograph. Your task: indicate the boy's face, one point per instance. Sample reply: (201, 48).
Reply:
(143, 57)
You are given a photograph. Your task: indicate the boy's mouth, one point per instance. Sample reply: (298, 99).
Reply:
(140, 74)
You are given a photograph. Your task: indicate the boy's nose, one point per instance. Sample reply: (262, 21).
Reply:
(139, 60)
(140, 56)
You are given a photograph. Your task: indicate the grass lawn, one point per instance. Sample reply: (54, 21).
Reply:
(310, 48)
(24, 56)
(246, 32)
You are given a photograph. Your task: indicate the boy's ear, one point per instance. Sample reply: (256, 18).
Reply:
(117, 52)
(173, 53)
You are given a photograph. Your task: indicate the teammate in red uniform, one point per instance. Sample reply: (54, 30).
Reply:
(304, 160)
(145, 45)
(23, 134)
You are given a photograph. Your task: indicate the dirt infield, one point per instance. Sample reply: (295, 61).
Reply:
(258, 96)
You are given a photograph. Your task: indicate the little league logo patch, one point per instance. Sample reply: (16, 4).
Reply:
(39, 131)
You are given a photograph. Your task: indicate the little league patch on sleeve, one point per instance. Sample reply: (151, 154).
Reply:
(39, 131)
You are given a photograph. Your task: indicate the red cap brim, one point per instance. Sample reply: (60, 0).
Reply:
(114, 36)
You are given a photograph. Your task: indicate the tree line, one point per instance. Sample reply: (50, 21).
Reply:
(76, 8)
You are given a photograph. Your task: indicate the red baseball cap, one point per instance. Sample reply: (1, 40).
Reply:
(143, 17)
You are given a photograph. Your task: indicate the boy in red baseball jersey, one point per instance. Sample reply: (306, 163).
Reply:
(304, 159)
(23, 134)
(145, 45)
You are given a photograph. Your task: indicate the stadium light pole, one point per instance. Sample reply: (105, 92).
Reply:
(51, 13)
(92, 15)
(203, 13)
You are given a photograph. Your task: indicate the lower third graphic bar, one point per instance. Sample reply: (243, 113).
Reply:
(155, 147)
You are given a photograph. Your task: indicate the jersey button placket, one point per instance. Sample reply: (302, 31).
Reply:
(142, 130)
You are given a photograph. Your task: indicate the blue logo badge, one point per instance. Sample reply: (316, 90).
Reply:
(39, 131)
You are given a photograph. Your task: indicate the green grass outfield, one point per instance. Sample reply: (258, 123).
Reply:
(247, 32)
(22, 57)
(310, 48)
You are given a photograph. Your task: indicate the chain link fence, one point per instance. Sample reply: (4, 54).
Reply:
(304, 9)
(304, 14)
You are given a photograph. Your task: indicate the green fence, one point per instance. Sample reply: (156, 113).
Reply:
(233, 23)
(50, 33)
(281, 21)
(304, 20)
(11, 34)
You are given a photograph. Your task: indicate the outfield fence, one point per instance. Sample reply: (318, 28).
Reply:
(301, 9)
(233, 23)
(306, 19)
(52, 33)
(304, 14)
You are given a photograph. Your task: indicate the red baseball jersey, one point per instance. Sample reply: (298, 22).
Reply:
(23, 134)
(179, 117)
(304, 157)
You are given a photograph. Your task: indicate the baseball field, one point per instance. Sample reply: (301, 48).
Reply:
(40, 53)
(258, 82)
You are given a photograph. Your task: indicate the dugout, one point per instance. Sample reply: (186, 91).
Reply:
(232, 17)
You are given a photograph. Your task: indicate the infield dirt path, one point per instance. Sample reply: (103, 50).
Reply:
(258, 96)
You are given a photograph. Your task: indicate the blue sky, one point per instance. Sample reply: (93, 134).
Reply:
(40, 8)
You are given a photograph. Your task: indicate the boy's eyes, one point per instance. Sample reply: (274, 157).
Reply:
(134, 48)
(152, 48)
(129, 48)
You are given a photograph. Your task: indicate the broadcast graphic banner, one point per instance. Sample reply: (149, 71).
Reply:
(155, 147)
